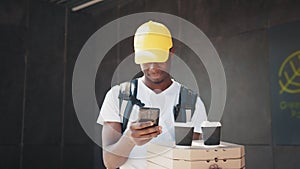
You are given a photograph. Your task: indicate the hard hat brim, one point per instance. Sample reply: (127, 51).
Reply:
(150, 56)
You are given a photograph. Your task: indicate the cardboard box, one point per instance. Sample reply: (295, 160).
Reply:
(197, 156)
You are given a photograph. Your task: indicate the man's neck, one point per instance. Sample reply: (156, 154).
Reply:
(157, 87)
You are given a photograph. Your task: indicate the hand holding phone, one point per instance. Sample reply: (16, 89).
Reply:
(146, 127)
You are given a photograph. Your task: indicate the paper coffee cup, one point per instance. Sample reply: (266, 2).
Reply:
(211, 132)
(184, 134)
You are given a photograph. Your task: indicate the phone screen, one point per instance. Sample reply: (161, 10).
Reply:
(149, 114)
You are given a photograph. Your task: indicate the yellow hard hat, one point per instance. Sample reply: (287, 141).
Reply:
(152, 42)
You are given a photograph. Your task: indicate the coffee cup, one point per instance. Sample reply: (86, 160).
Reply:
(211, 132)
(183, 134)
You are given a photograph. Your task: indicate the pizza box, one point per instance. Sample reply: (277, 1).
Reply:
(226, 155)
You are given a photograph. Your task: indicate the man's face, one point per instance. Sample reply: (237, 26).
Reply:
(156, 72)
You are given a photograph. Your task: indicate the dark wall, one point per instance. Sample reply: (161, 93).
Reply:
(40, 43)
(12, 81)
(39, 128)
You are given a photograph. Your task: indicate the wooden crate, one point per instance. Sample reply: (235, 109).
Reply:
(197, 156)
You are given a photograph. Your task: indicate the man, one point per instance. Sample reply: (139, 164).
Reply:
(153, 51)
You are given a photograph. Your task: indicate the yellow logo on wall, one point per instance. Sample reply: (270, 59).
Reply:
(289, 74)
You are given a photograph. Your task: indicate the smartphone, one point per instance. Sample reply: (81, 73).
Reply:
(149, 114)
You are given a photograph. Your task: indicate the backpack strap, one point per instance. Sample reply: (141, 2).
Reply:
(184, 110)
(127, 98)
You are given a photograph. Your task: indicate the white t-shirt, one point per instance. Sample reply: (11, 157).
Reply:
(165, 101)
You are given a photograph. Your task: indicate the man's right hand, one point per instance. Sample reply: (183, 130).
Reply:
(142, 132)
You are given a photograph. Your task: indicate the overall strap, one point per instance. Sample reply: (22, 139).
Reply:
(184, 110)
(127, 98)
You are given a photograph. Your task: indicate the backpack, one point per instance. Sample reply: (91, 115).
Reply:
(183, 111)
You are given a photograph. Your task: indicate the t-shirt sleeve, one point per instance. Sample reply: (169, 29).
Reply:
(199, 115)
(109, 111)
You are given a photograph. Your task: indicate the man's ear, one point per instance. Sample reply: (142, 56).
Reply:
(172, 52)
